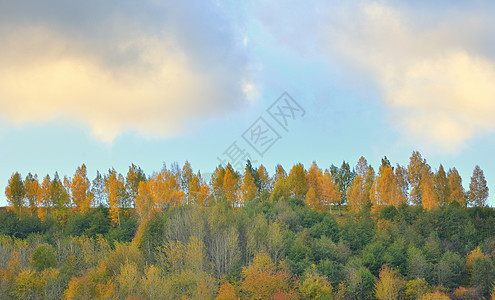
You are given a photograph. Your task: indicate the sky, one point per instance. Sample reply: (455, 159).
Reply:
(149, 82)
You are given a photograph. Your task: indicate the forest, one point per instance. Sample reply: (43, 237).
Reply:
(342, 232)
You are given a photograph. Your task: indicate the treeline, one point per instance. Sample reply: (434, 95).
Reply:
(403, 232)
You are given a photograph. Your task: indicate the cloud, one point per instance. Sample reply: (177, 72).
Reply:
(432, 64)
(144, 66)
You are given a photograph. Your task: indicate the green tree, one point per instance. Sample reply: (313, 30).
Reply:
(343, 178)
(483, 274)
(43, 257)
(478, 190)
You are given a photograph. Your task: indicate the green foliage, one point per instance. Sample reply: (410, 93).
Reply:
(20, 228)
(43, 257)
(483, 275)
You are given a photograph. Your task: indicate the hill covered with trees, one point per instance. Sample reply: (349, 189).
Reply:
(398, 232)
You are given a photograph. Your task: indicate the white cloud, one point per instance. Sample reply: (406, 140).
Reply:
(433, 65)
(118, 70)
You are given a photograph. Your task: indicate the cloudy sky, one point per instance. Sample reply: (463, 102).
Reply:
(110, 83)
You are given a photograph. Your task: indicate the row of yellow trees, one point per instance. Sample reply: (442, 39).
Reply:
(415, 184)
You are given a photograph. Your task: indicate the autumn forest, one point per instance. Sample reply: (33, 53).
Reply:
(349, 231)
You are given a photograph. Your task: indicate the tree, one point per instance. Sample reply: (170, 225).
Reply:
(59, 199)
(15, 193)
(44, 197)
(265, 181)
(44, 256)
(263, 280)
(145, 202)
(80, 189)
(427, 188)
(217, 182)
(401, 178)
(152, 283)
(187, 177)
(193, 188)
(312, 201)
(358, 193)
(31, 187)
(385, 190)
(315, 286)
(113, 188)
(483, 274)
(478, 190)
(329, 191)
(343, 178)
(279, 174)
(248, 189)
(226, 292)
(388, 285)
(442, 188)
(456, 188)
(230, 186)
(281, 191)
(98, 189)
(414, 172)
(134, 177)
(313, 179)
(297, 181)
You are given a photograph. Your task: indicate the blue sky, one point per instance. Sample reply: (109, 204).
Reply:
(151, 82)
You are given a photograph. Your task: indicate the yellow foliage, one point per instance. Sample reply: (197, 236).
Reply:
(436, 295)
(472, 256)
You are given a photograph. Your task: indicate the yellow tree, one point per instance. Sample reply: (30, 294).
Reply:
(248, 189)
(478, 190)
(193, 188)
(356, 194)
(313, 179)
(230, 183)
(15, 193)
(31, 187)
(187, 175)
(329, 191)
(428, 194)
(80, 189)
(203, 194)
(414, 172)
(44, 198)
(279, 174)
(144, 200)
(385, 190)
(388, 285)
(113, 188)
(312, 201)
(359, 192)
(297, 181)
(217, 182)
(442, 188)
(456, 188)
